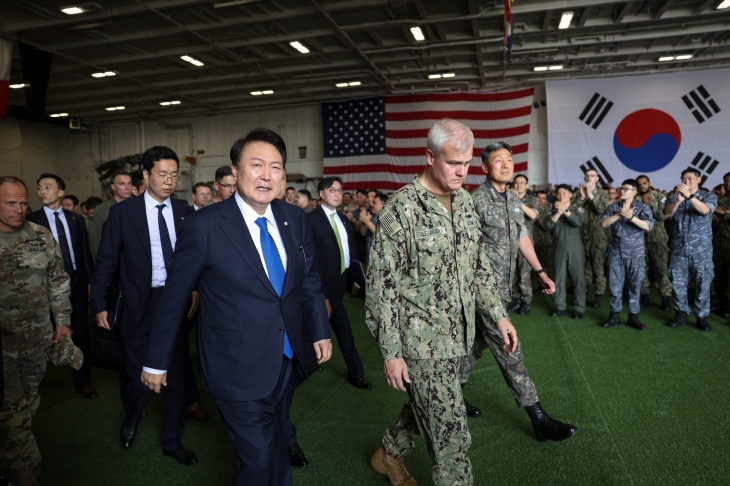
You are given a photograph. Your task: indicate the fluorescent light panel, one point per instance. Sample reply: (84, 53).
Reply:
(724, 4)
(434, 76)
(57, 115)
(72, 10)
(417, 34)
(298, 46)
(555, 68)
(192, 61)
(17, 86)
(264, 92)
(666, 58)
(104, 74)
(565, 20)
(681, 57)
(540, 68)
(350, 83)
(114, 108)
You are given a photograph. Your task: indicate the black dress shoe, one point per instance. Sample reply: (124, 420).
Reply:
(183, 456)
(361, 383)
(471, 410)
(577, 315)
(515, 307)
(546, 427)
(525, 309)
(128, 432)
(87, 391)
(296, 456)
(558, 312)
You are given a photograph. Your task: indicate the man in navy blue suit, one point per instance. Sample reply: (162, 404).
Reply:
(252, 260)
(138, 241)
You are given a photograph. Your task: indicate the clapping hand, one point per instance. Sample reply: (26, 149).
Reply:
(683, 192)
(583, 191)
(627, 211)
(365, 217)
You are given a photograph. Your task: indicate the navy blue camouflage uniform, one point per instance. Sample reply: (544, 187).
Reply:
(690, 248)
(626, 255)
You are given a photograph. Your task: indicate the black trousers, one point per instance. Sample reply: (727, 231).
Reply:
(257, 429)
(192, 395)
(138, 395)
(81, 336)
(290, 431)
(341, 326)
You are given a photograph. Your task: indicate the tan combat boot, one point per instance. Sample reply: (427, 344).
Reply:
(24, 476)
(391, 466)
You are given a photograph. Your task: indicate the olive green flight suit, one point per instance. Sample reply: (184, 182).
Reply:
(569, 256)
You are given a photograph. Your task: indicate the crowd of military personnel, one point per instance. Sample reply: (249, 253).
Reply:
(446, 268)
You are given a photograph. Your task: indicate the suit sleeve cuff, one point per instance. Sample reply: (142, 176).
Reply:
(153, 371)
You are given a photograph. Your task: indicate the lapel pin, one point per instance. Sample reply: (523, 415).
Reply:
(286, 224)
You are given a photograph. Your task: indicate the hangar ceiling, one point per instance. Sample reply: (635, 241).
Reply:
(240, 55)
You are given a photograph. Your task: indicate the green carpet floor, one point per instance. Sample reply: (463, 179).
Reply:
(649, 406)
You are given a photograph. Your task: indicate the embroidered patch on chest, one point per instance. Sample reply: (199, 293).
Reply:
(426, 233)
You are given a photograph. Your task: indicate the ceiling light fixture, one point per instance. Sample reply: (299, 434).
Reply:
(417, 34)
(540, 68)
(555, 68)
(434, 76)
(565, 20)
(192, 61)
(104, 74)
(448, 75)
(341, 85)
(351, 83)
(298, 46)
(168, 103)
(17, 86)
(72, 10)
(683, 57)
(724, 4)
(666, 58)
(268, 92)
(57, 115)
(114, 108)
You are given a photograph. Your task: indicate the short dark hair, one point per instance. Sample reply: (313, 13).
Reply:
(520, 175)
(382, 197)
(372, 190)
(493, 147)
(12, 180)
(93, 202)
(642, 176)
(73, 199)
(222, 172)
(327, 182)
(540, 192)
(632, 183)
(48, 175)
(258, 135)
(306, 193)
(564, 186)
(290, 188)
(83, 204)
(349, 193)
(137, 179)
(691, 170)
(118, 173)
(361, 191)
(156, 153)
(726, 176)
(200, 184)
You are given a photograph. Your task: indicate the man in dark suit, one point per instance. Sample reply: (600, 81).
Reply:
(252, 261)
(69, 230)
(334, 245)
(138, 241)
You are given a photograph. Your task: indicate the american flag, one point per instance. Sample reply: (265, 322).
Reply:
(380, 142)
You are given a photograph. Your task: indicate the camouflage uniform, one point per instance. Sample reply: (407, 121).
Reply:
(502, 225)
(691, 253)
(543, 238)
(657, 251)
(101, 214)
(33, 285)
(569, 259)
(522, 279)
(721, 253)
(626, 254)
(428, 277)
(594, 238)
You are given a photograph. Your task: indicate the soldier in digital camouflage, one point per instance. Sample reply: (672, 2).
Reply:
(690, 247)
(657, 250)
(629, 220)
(721, 248)
(522, 278)
(541, 236)
(594, 202)
(428, 277)
(33, 286)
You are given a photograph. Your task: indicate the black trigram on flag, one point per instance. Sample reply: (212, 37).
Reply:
(705, 164)
(603, 176)
(700, 104)
(595, 111)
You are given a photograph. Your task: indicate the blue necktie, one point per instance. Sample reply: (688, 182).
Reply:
(275, 269)
(164, 237)
(68, 266)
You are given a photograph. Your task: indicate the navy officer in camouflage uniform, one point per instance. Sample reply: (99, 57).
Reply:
(428, 276)
(629, 220)
(33, 286)
(690, 247)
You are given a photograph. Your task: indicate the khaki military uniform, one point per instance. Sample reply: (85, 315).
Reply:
(101, 214)
(569, 256)
(522, 280)
(428, 277)
(33, 285)
(657, 248)
(595, 238)
(543, 238)
(721, 252)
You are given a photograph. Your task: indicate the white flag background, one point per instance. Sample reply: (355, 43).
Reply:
(656, 125)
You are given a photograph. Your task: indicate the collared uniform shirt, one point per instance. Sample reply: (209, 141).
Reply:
(50, 214)
(627, 239)
(343, 233)
(159, 272)
(250, 216)
(692, 233)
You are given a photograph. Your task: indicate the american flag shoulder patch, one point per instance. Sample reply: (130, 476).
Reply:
(389, 224)
(581, 210)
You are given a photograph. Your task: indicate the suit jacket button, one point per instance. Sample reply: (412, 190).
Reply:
(281, 330)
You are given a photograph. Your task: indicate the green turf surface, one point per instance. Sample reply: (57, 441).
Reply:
(649, 406)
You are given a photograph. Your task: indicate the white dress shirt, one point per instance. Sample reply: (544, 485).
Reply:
(195, 207)
(159, 272)
(249, 217)
(342, 230)
(52, 223)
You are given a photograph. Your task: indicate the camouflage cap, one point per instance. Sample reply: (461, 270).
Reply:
(65, 352)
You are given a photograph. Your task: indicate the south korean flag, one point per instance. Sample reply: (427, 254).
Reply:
(657, 125)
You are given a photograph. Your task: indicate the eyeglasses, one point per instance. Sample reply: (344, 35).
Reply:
(333, 191)
(227, 187)
(627, 189)
(175, 177)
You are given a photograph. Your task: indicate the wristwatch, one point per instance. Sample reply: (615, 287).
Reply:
(690, 196)
(542, 270)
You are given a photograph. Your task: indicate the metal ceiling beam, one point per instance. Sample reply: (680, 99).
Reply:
(704, 6)
(624, 12)
(662, 10)
(584, 16)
